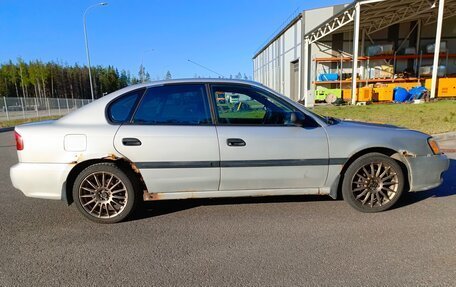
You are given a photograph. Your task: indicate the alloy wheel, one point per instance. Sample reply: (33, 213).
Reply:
(375, 184)
(103, 194)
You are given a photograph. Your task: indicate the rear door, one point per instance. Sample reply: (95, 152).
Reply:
(261, 149)
(172, 140)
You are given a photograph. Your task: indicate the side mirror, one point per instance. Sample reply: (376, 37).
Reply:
(296, 119)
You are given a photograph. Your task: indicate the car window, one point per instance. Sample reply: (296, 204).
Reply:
(120, 110)
(174, 104)
(248, 106)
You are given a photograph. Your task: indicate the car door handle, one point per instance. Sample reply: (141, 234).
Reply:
(235, 142)
(131, 142)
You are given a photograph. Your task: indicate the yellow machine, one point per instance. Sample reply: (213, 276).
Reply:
(446, 87)
(383, 94)
(363, 94)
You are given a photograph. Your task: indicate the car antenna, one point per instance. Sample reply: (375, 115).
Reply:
(210, 70)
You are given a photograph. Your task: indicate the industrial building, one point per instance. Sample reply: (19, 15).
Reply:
(363, 50)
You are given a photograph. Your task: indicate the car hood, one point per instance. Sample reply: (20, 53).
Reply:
(353, 135)
(368, 125)
(390, 130)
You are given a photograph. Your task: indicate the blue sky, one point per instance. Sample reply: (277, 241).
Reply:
(220, 34)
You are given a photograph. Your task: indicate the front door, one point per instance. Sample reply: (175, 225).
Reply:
(260, 148)
(172, 140)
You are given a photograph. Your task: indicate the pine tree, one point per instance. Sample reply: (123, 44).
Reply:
(168, 76)
(142, 73)
(60, 80)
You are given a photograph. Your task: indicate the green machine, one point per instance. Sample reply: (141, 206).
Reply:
(327, 95)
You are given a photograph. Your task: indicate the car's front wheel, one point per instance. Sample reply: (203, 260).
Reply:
(373, 182)
(104, 193)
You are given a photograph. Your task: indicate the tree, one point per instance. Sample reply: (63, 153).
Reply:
(33, 76)
(238, 76)
(143, 75)
(59, 80)
(168, 76)
(11, 74)
(3, 82)
(108, 79)
(124, 79)
(25, 80)
(134, 81)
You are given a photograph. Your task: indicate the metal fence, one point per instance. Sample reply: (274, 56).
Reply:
(27, 108)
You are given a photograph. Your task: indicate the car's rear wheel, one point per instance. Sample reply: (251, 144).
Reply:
(372, 183)
(104, 193)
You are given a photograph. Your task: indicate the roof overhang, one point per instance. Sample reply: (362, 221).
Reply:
(282, 31)
(377, 15)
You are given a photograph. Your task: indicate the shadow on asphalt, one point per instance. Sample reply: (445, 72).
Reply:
(158, 208)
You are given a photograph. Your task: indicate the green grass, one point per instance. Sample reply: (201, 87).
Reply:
(242, 110)
(12, 123)
(432, 118)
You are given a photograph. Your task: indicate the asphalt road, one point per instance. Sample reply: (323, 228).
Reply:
(275, 241)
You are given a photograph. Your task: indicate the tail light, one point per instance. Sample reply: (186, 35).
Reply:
(19, 141)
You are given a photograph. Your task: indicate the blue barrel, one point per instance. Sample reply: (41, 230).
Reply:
(417, 93)
(401, 95)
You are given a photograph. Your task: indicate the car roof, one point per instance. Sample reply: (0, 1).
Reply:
(94, 113)
(91, 113)
(193, 81)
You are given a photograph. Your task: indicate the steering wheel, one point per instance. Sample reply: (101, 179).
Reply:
(273, 117)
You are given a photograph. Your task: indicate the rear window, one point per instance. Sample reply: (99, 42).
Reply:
(120, 110)
(174, 105)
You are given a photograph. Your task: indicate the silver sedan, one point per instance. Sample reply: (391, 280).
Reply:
(215, 138)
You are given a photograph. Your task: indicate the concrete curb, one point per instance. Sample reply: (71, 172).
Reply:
(445, 136)
(6, 129)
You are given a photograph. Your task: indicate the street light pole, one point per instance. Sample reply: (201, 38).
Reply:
(87, 43)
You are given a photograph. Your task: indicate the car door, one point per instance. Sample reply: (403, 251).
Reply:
(260, 148)
(172, 140)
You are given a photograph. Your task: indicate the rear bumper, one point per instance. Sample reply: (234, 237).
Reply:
(40, 180)
(425, 172)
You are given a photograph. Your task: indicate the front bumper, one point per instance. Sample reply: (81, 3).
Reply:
(40, 180)
(425, 172)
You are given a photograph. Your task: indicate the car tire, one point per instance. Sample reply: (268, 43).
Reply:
(372, 183)
(104, 193)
